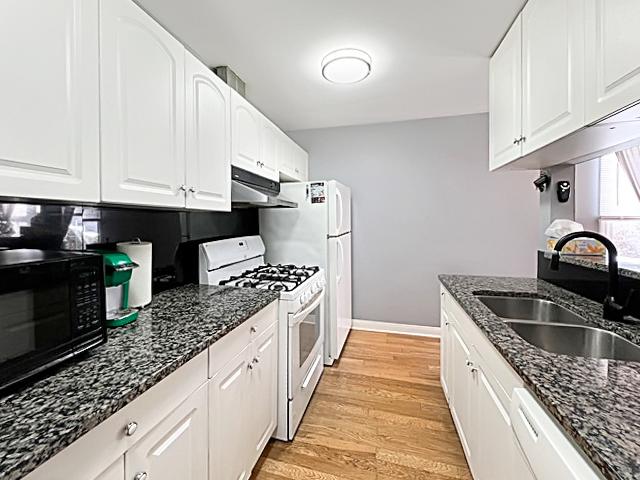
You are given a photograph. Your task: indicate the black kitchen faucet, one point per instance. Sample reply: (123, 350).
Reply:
(612, 309)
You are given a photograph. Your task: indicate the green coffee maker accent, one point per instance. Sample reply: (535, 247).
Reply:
(118, 268)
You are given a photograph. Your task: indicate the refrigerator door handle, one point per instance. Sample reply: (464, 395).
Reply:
(340, 261)
(339, 207)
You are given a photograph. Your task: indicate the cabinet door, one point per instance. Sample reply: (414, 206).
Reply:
(208, 137)
(264, 390)
(269, 143)
(460, 388)
(300, 164)
(142, 108)
(496, 454)
(505, 99)
(229, 426)
(613, 56)
(114, 472)
(176, 447)
(552, 71)
(445, 349)
(246, 130)
(49, 145)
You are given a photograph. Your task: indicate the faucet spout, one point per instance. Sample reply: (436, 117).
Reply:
(613, 310)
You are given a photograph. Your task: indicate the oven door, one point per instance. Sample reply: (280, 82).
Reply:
(35, 326)
(306, 336)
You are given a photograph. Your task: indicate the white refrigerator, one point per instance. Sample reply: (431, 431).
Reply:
(317, 232)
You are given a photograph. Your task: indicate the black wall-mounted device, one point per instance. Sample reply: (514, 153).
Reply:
(542, 182)
(564, 191)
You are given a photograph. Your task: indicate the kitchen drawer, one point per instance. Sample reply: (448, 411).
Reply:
(225, 349)
(99, 448)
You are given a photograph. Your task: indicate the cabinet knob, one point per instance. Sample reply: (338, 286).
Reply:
(469, 363)
(257, 163)
(183, 188)
(446, 324)
(256, 360)
(141, 476)
(131, 428)
(192, 189)
(516, 141)
(253, 329)
(297, 171)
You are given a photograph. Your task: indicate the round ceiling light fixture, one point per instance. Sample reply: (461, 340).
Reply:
(347, 65)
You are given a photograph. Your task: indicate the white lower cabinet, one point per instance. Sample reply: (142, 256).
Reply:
(197, 424)
(176, 447)
(243, 398)
(114, 472)
(229, 423)
(504, 432)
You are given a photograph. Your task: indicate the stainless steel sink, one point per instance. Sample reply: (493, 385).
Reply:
(531, 309)
(577, 340)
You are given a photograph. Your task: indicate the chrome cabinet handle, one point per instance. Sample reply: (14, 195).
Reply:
(516, 141)
(256, 360)
(469, 363)
(253, 329)
(131, 428)
(192, 189)
(141, 476)
(520, 140)
(183, 188)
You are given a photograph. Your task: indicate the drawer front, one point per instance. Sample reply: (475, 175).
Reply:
(82, 459)
(225, 349)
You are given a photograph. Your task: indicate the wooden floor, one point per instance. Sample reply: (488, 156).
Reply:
(378, 413)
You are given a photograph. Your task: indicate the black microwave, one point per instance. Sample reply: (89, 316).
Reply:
(52, 307)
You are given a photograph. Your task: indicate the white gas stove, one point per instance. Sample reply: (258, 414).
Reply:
(239, 262)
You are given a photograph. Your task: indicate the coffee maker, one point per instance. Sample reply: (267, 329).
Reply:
(118, 268)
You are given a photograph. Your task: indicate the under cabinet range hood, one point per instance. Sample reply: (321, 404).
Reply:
(251, 190)
(616, 132)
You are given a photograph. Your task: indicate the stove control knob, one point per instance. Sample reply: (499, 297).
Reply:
(300, 300)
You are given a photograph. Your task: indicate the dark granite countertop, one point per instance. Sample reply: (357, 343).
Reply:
(42, 418)
(596, 401)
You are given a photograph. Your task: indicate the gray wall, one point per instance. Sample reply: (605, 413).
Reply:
(425, 203)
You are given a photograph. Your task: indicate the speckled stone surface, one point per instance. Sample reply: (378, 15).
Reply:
(42, 418)
(596, 401)
(599, 263)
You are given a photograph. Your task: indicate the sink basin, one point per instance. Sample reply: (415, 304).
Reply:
(532, 309)
(577, 340)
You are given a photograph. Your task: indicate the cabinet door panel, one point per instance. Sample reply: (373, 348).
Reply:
(114, 472)
(496, 454)
(142, 108)
(269, 145)
(177, 446)
(246, 129)
(208, 136)
(553, 71)
(460, 388)
(505, 92)
(229, 429)
(264, 390)
(49, 144)
(613, 56)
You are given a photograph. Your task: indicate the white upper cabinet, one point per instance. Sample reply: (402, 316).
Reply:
(49, 141)
(176, 448)
(552, 71)
(293, 161)
(246, 131)
(505, 92)
(208, 137)
(613, 56)
(269, 141)
(142, 109)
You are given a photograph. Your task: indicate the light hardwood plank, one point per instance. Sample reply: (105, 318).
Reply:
(378, 413)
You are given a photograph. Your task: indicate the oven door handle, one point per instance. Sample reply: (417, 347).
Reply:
(298, 317)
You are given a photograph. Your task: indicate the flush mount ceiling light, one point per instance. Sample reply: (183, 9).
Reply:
(348, 65)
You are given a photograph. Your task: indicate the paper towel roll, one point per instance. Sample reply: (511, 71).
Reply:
(140, 285)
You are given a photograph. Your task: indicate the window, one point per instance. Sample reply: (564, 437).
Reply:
(620, 201)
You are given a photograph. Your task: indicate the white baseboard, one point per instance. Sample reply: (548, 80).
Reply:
(399, 328)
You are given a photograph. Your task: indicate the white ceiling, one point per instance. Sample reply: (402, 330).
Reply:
(430, 57)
